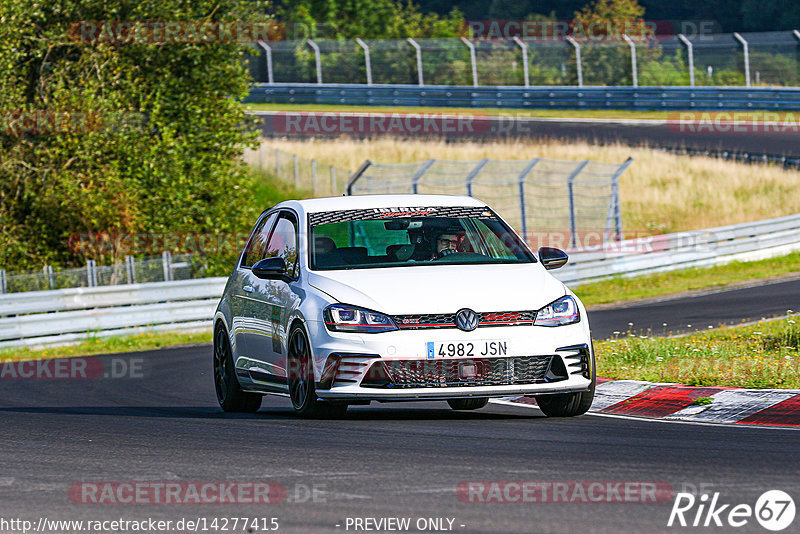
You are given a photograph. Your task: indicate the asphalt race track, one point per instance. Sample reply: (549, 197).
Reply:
(384, 460)
(698, 312)
(765, 139)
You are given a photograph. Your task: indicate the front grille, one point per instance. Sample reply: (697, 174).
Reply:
(448, 320)
(483, 372)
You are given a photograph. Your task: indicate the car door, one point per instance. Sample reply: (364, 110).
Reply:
(276, 298)
(243, 305)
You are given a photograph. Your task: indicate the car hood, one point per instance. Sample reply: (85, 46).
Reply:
(442, 289)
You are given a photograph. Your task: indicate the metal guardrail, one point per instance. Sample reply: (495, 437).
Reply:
(541, 97)
(38, 317)
(42, 317)
(701, 248)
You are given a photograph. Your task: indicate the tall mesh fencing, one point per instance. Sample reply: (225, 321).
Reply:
(719, 59)
(569, 199)
(309, 177)
(164, 268)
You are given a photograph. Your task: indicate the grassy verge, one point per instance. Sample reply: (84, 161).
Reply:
(764, 355)
(621, 289)
(108, 345)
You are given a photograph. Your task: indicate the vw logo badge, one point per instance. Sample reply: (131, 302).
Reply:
(467, 320)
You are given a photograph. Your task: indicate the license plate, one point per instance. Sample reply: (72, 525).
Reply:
(467, 349)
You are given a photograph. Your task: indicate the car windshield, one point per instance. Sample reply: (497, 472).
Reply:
(399, 237)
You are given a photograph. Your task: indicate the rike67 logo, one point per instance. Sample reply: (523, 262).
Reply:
(774, 510)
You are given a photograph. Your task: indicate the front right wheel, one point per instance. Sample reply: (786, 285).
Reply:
(301, 380)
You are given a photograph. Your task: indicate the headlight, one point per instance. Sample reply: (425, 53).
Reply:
(558, 313)
(344, 318)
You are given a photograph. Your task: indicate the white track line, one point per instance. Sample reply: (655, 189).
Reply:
(651, 420)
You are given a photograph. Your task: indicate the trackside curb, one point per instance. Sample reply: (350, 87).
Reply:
(772, 407)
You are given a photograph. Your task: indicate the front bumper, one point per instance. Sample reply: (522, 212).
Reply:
(345, 363)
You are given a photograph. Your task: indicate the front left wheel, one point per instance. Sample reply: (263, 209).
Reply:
(230, 396)
(301, 380)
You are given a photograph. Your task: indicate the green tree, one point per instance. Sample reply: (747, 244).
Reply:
(162, 151)
(605, 55)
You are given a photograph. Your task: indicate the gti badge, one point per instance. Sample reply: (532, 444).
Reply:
(466, 320)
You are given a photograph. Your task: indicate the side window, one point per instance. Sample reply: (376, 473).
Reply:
(283, 242)
(258, 240)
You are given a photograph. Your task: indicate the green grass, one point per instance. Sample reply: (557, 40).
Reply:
(504, 112)
(621, 289)
(267, 190)
(108, 345)
(763, 355)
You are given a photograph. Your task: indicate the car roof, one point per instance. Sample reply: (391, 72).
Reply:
(354, 202)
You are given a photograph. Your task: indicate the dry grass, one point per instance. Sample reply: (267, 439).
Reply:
(661, 192)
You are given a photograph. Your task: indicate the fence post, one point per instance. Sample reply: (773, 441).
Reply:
(129, 269)
(166, 263)
(416, 46)
(573, 231)
(473, 173)
(578, 65)
(314, 177)
(48, 274)
(3, 282)
(277, 163)
(634, 70)
(355, 176)
(333, 180)
(268, 50)
(746, 58)
(417, 175)
(521, 181)
(524, 48)
(91, 273)
(472, 60)
(296, 172)
(367, 62)
(317, 60)
(690, 54)
(615, 193)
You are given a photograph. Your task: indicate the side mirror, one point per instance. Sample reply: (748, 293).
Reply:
(552, 258)
(270, 269)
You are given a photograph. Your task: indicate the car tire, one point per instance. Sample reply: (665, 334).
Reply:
(230, 396)
(300, 371)
(467, 404)
(568, 404)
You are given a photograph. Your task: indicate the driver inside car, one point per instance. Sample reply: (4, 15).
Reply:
(445, 244)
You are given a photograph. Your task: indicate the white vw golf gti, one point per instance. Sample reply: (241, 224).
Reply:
(348, 300)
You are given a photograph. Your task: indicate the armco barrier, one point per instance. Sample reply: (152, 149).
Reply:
(39, 317)
(701, 248)
(69, 314)
(542, 97)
